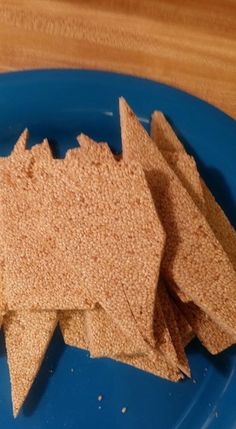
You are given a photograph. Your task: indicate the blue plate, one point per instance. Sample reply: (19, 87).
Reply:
(59, 105)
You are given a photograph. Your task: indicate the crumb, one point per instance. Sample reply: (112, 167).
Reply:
(99, 407)
(72, 369)
(194, 381)
(51, 371)
(216, 414)
(100, 398)
(123, 410)
(210, 405)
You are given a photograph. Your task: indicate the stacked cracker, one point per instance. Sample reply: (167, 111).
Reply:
(133, 256)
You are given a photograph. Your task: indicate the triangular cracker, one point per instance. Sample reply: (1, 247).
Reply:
(21, 327)
(74, 333)
(27, 336)
(208, 278)
(211, 335)
(104, 336)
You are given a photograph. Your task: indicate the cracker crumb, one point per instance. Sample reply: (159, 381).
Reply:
(194, 381)
(99, 407)
(72, 369)
(100, 398)
(124, 410)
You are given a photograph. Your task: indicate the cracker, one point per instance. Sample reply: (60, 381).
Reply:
(75, 335)
(72, 325)
(96, 153)
(164, 135)
(105, 338)
(173, 329)
(208, 278)
(103, 335)
(184, 327)
(167, 140)
(27, 335)
(89, 209)
(210, 334)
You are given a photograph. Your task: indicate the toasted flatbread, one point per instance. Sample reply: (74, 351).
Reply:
(24, 354)
(27, 335)
(104, 336)
(75, 335)
(208, 278)
(72, 325)
(53, 236)
(210, 334)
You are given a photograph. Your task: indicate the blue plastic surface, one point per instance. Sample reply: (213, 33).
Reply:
(59, 105)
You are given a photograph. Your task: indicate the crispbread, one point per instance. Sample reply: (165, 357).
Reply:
(208, 278)
(169, 315)
(75, 335)
(96, 153)
(220, 224)
(162, 132)
(104, 336)
(24, 354)
(22, 195)
(85, 221)
(184, 327)
(106, 339)
(27, 335)
(211, 335)
(72, 325)
(167, 140)
(185, 168)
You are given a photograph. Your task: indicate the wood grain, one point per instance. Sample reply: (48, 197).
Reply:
(190, 44)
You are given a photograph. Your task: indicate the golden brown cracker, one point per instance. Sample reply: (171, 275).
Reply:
(27, 335)
(208, 278)
(211, 335)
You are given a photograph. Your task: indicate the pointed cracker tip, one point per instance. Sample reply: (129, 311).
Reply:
(124, 109)
(81, 138)
(16, 409)
(46, 146)
(42, 149)
(25, 133)
(157, 114)
(86, 141)
(122, 104)
(21, 142)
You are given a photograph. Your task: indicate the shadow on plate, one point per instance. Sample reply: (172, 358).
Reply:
(48, 368)
(221, 362)
(2, 345)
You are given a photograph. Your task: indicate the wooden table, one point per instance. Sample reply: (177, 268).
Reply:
(190, 44)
